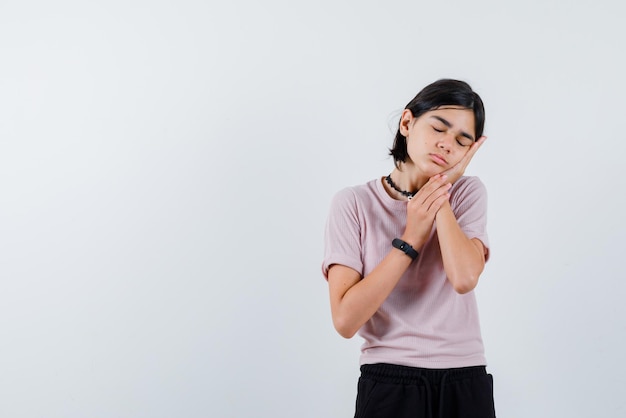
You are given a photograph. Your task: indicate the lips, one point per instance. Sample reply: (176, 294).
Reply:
(438, 159)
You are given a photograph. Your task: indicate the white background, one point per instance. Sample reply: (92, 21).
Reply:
(166, 169)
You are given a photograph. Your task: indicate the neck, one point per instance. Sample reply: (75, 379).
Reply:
(402, 184)
(408, 177)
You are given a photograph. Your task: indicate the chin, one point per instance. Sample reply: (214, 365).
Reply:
(431, 170)
(434, 171)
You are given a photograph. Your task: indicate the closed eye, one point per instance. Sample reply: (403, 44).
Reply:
(464, 141)
(438, 130)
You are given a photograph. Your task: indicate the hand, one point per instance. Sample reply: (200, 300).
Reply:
(454, 173)
(422, 208)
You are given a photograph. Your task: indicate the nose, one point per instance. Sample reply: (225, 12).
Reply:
(445, 143)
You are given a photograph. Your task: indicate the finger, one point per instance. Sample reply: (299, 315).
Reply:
(425, 191)
(430, 187)
(475, 146)
(470, 153)
(437, 203)
(437, 194)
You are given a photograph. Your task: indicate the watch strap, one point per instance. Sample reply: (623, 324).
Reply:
(405, 247)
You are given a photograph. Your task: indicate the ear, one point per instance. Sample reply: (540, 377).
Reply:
(405, 122)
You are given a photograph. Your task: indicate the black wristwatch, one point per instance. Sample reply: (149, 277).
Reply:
(405, 247)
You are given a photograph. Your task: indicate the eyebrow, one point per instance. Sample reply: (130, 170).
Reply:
(449, 125)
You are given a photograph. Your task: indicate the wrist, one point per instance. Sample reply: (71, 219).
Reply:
(445, 208)
(413, 242)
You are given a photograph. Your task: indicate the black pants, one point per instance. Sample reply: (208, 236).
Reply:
(390, 391)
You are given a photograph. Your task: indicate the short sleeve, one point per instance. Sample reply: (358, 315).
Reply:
(469, 203)
(342, 236)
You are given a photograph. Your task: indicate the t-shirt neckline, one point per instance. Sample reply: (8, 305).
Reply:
(388, 200)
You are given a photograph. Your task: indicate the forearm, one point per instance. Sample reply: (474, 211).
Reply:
(361, 300)
(463, 259)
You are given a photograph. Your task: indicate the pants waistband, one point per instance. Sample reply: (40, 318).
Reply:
(406, 375)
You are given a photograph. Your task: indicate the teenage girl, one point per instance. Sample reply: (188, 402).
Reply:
(403, 254)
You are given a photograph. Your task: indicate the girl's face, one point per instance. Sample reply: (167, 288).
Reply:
(439, 138)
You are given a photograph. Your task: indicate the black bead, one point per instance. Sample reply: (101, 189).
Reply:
(393, 186)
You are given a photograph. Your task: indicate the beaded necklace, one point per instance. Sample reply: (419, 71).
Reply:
(409, 195)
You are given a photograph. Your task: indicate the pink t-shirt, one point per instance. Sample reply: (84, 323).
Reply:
(424, 322)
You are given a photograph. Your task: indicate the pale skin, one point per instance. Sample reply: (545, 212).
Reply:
(440, 145)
